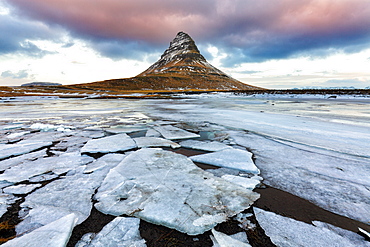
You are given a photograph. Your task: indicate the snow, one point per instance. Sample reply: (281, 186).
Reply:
(55, 234)
(50, 127)
(222, 240)
(205, 146)
(121, 231)
(229, 158)
(110, 144)
(165, 188)
(145, 142)
(285, 231)
(173, 133)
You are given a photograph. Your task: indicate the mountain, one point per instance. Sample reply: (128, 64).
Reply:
(42, 84)
(180, 67)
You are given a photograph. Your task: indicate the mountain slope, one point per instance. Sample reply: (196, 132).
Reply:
(180, 67)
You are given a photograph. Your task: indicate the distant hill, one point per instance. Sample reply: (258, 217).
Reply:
(181, 67)
(31, 84)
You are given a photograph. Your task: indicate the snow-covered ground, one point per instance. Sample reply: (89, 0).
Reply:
(62, 156)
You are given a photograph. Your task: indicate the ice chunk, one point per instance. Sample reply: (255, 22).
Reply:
(168, 189)
(57, 164)
(18, 134)
(285, 231)
(152, 133)
(21, 188)
(145, 142)
(108, 161)
(119, 232)
(223, 240)
(55, 234)
(50, 127)
(9, 150)
(248, 183)
(126, 130)
(229, 158)
(206, 146)
(110, 144)
(173, 133)
(5, 164)
(71, 194)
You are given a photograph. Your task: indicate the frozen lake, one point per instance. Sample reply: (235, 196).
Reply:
(316, 149)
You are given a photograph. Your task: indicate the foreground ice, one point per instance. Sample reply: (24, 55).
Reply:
(285, 231)
(205, 146)
(5, 164)
(223, 240)
(119, 232)
(146, 142)
(21, 188)
(54, 234)
(110, 144)
(9, 150)
(173, 133)
(71, 194)
(229, 158)
(166, 188)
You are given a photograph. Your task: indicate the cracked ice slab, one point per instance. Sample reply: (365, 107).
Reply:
(222, 240)
(173, 133)
(55, 234)
(110, 144)
(229, 158)
(248, 183)
(168, 189)
(146, 142)
(205, 146)
(121, 231)
(285, 231)
(9, 150)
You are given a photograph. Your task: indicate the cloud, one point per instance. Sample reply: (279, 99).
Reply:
(21, 74)
(246, 30)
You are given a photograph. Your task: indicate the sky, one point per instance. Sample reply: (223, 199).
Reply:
(274, 44)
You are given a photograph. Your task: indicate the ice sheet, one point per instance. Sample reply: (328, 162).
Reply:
(285, 231)
(110, 144)
(173, 133)
(229, 158)
(146, 142)
(165, 188)
(9, 150)
(54, 234)
(21, 188)
(205, 146)
(121, 231)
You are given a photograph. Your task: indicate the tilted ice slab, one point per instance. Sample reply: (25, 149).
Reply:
(229, 158)
(121, 231)
(248, 183)
(285, 231)
(168, 189)
(57, 164)
(110, 144)
(55, 234)
(205, 146)
(173, 133)
(9, 150)
(146, 142)
(71, 194)
(222, 240)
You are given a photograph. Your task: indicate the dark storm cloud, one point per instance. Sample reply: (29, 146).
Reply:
(248, 31)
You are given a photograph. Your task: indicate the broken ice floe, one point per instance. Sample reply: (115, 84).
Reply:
(285, 231)
(70, 194)
(173, 133)
(248, 183)
(21, 188)
(110, 144)
(222, 240)
(50, 127)
(205, 146)
(5, 201)
(127, 130)
(229, 158)
(146, 142)
(57, 164)
(5, 164)
(168, 189)
(152, 133)
(54, 234)
(119, 232)
(23, 147)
